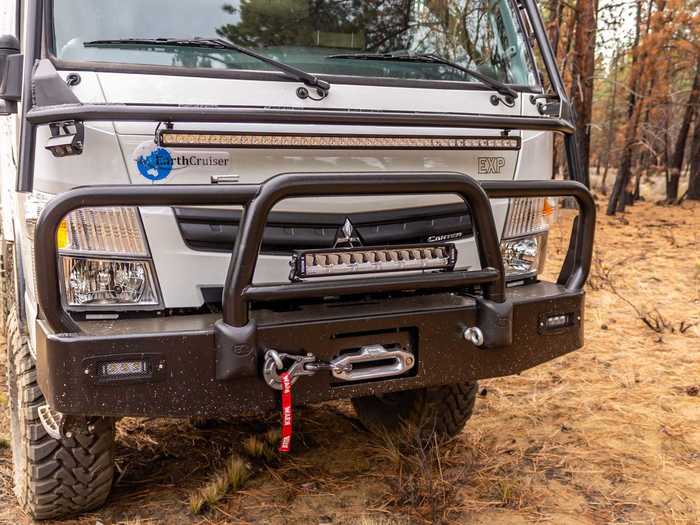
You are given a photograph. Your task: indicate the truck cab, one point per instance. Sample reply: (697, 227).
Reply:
(205, 204)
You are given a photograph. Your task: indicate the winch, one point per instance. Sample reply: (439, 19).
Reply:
(368, 363)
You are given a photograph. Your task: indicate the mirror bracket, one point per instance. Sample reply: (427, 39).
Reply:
(11, 69)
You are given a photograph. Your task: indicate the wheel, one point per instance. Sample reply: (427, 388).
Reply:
(443, 410)
(53, 478)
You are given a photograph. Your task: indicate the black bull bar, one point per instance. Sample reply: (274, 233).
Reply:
(210, 365)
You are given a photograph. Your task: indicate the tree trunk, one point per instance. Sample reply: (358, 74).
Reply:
(624, 187)
(583, 68)
(565, 34)
(568, 39)
(555, 10)
(622, 179)
(553, 31)
(668, 115)
(644, 159)
(610, 133)
(694, 182)
(676, 164)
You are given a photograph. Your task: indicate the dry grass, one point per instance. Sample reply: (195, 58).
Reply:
(232, 477)
(608, 434)
(254, 447)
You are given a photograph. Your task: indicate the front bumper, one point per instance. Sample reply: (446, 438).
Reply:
(432, 325)
(209, 365)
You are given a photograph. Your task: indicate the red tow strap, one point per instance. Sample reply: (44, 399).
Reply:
(286, 440)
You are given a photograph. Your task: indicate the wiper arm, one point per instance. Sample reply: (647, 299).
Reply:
(219, 43)
(430, 58)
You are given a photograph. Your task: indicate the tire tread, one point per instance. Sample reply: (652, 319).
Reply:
(443, 410)
(56, 478)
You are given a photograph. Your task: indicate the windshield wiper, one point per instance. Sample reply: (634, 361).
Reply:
(219, 43)
(430, 58)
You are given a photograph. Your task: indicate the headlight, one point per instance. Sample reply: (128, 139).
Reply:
(524, 257)
(104, 260)
(524, 241)
(105, 282)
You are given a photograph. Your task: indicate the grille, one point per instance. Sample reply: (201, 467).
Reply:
(216, 229)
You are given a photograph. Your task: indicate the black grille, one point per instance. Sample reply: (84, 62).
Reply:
(216, 229)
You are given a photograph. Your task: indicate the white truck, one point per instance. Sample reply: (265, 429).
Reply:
(206, 202)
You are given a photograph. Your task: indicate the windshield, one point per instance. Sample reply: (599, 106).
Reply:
(478, 34)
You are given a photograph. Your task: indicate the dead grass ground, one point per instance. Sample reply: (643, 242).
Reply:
(608, 434)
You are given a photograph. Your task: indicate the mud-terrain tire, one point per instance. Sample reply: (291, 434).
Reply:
(443, 410)
(7, 282)
(53, 478)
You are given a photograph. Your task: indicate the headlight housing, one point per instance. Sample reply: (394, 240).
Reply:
(524, 241)
(104, 261)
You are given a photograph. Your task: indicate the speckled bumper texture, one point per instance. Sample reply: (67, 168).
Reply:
(182, 352)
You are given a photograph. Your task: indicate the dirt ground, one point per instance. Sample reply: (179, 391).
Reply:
(608, 434)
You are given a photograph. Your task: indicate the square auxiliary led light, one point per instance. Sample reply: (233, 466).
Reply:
(194, 139)
(347, 261)
(124, 369)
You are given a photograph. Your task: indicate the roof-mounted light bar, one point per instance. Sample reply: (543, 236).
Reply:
(197, 139)
(346, 261)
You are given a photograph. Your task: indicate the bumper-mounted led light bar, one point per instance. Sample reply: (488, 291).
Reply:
(347, 261)
(197, 139)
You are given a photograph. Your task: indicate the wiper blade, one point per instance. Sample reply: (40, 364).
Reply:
(430, 58)
(219, 43)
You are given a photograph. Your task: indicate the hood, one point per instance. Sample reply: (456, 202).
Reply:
(133, 142)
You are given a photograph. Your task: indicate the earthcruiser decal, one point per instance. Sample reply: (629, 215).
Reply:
(153, 162)
(156, 163)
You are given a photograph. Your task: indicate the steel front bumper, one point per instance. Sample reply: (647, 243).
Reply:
(209, 365)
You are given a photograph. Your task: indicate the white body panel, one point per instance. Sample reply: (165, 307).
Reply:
(181, 271)
(8, 137)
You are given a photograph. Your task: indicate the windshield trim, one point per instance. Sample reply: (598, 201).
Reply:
(251, 74)
(245, 74)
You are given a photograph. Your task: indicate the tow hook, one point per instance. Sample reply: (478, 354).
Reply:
(52, 421)
(60, 426)
(354, 366)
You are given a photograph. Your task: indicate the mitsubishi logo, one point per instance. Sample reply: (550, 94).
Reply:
(346, 236)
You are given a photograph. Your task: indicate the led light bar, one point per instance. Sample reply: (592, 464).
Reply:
(169, 138)
(346, 261)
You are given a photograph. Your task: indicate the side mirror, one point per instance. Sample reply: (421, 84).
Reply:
(11, 63)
